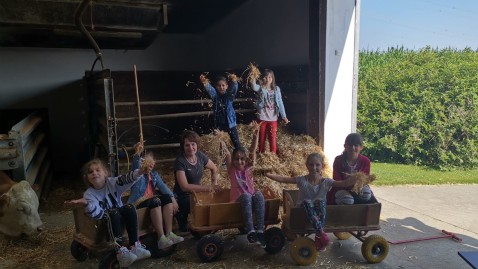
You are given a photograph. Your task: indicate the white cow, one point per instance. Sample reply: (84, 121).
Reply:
(18, 207)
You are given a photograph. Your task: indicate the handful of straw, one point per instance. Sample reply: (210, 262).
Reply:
(254, 73)
(362, 180)
(203, 78)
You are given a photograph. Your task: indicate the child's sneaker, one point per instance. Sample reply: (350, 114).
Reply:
(261, 240)
(175, 238)
(164, 242)
(321, 241)
(252, 237)
(125, 257)
(140, 251)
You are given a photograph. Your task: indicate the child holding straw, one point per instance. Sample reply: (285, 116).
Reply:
(269, 106)
(223, 96)
(240, 172)
(313, 190)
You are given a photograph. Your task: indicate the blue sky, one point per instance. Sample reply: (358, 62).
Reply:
(415, 24)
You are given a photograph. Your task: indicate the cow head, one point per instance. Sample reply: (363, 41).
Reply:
(19, 210)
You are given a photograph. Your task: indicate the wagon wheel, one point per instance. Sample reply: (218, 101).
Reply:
(109, 261)
(303, 251)
(210, 248)
(275, 240)
(342, 235)
(197, 235)
(78, 251)
(288, 234)
(374, 248)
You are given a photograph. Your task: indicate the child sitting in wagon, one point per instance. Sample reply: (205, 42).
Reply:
(313, 189)
(240, 172)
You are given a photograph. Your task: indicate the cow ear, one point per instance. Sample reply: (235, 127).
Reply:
(35, 187)
(4, 199)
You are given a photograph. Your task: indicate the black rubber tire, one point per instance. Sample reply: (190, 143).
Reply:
(303, 251)
(78, 251)
(275, 240)
(375, 248)
(342, 235)
(109, 261)
(210, 248)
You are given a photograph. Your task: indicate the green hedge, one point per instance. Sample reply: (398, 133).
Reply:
(420, 107)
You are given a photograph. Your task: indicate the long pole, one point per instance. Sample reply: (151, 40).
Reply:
(139, 107)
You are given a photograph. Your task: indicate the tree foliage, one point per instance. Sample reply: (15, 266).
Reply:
(420, 107)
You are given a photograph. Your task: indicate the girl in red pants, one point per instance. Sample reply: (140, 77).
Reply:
(269, 106)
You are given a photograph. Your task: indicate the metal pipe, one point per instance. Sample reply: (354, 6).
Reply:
(179, 115)
(79, 23)
(178, 102)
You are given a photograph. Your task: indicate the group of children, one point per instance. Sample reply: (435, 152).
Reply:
(102, 200)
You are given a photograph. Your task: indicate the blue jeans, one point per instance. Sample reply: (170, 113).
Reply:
(250, 203)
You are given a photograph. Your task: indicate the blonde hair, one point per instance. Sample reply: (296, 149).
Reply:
(147, 160)
(86, 168)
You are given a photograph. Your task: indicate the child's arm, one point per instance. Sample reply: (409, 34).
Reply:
(255, 141)
(280, 105)
(349, 181)
(74, 202)
(234, 87)
(282, 179)
(209, 88)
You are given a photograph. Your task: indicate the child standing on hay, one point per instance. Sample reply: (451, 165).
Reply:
(103, 201)
(223, 97)
(150, 191)
(269, 106)
(240, 172)
(347, 164)
(313, 189)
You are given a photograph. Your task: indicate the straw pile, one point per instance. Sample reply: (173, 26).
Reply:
(290, 159)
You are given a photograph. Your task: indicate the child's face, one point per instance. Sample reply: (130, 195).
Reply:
(314, 166)
(239, 160)
(148, 165)
(221, 87)
(352, 151)
(268, 79)
(190, 147)
(96, 176)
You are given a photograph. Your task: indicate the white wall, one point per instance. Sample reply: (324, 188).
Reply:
(339, 71)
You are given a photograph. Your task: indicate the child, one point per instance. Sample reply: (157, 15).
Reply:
(269, 107)
(162, 207)
(103, 201)
(312, 194)
(349, 162)
(239, 169)
(223, 97)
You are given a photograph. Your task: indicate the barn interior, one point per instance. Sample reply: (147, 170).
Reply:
(50, 68)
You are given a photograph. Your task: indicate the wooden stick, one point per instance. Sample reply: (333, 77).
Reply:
(139, 107)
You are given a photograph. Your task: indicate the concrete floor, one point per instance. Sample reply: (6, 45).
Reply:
(408, 212)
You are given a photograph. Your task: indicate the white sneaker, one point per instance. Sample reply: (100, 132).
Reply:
(175, 238)
(125, 257)
(164, 242)
(140, 251)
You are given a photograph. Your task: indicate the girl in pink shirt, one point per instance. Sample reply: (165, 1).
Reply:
(239, 169)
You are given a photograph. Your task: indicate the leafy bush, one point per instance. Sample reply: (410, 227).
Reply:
(420, 107)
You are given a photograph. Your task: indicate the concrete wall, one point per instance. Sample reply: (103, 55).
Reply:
(339, 94)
